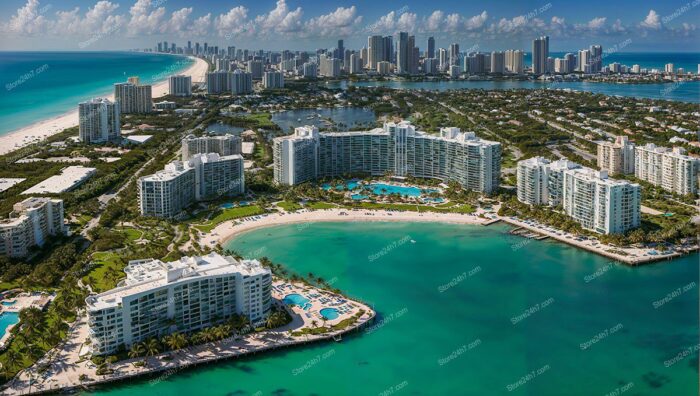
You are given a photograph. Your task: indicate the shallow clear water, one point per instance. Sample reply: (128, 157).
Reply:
(42, 85)
(447, 305)
(7, 319)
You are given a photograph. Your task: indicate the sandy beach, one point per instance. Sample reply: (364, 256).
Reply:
(229, 229)
(43, 129)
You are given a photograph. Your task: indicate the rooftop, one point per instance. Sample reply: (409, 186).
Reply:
(69, 178)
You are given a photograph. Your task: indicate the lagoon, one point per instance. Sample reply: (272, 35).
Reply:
(468, 310)
(343, 118)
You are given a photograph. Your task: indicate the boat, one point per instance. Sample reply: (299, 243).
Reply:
(413, 241)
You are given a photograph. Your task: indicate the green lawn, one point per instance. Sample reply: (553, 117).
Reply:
(289, 206)
(320, 205)
(132, 234)
(230, 214)
(97, 277)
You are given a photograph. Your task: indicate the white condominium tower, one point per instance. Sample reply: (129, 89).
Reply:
(672, 170)
(273, 80)
(224, 145)
(133, 97)
(241, 82)
(600, 204)
(30, 223)
(98, 121)
(187, 295)
(396, 148)
(617, 158)
(540, 181)
(180, 85)
(203, 177)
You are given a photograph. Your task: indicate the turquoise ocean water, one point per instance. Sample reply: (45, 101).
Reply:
(35, 86)
(468, 310)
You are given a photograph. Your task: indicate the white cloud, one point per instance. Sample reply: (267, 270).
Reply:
(340, 22)
(29, 20)
(596, 23)
(201, 26)
(146, 21)
(434, 21)
(652, 21)
(477, 21)
(234, 22)
(407, 22)
(280, 19)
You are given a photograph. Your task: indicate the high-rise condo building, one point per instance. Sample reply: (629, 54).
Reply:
(596, 58)
(169, 192)
(186, 295)
(514, 61)
(430, 53)
(616, 157)
(273, 80)
(541, 182)
(309, 69)
(498, 62)
(584, 61)
(241, 82)
(375, 51)
(600, 204)
(224, 145)
(180, 85)
(255, 68)
(443, 59)
(355, 66)
(329, 67)
(397, 148)
(672, 170)
(430, 66)
(31, 223)
(219, 82)
(454, 54)
(540, 53)
(133, 97)
(98, 121)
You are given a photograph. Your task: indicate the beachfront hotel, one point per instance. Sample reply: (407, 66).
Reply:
(589, 197)
(133, 97)
(180, 85)
(224, 145)
(396, 148)
(202, 177)
(98, 121)
(31, 223)
(540, 181)
(187, 295)
(616, 157)
(601, 204)
(670, 169)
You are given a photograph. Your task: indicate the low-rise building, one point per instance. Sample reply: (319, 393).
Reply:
(187, 295)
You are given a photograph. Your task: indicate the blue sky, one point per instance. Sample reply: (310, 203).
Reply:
(641, 25)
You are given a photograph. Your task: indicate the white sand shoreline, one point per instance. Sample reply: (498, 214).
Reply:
(41, 130)
(228, 230)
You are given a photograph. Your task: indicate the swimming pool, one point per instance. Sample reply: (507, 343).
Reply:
(329, 313)
(358, 197)
(9, 303)
(6, 320)
(298, 300)
(433, 200)
(388, 189)
(227, 205)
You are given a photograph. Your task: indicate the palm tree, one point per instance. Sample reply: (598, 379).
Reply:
(13, 359)
(152, 347)
(137, 350)
(175, 341)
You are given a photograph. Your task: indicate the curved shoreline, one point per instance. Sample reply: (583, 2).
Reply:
(43, 129)
(230, 229)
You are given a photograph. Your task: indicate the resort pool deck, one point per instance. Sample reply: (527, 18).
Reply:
(298, 300)
(7, 320)
(358, 197)
(329, 313)
(349, 185)
(9, 303)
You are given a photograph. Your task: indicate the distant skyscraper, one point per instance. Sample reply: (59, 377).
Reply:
(498, 62)
(273, 80)
(514, 61)
(454, 54)
(431, 48)
(596, 58)
(389, 53)
(540, 53)
(403, 54)
(570, 62)
(218, 82)
(355, 64)
(98, 121)
(584, 61)
(443, 59)
(255, 68)
(375, 51)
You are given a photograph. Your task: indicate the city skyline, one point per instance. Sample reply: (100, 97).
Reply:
(308, 25)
